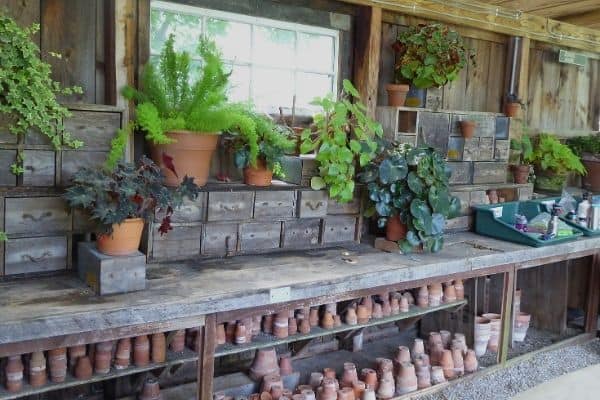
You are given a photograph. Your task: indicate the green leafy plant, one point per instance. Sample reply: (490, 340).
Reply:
(344, 136)
(267, 142)
(413, 184)
(117, 147)
(171, 99)
(585, 145)
(430, 55)
(552, 155)
(128, 191)
(28, 93)
(524, 149)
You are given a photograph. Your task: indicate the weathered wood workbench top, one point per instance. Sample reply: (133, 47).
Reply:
(34, 309)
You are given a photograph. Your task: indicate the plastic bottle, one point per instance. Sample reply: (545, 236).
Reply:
(583, 210)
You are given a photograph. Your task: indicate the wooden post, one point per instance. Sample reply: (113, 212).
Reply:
(366, 56)
(593, 297)
(507, 317)
(206, 358)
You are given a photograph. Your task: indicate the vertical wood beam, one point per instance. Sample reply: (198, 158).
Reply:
(206, 358)
(523, 83)
(367, 51)
(110, 68)
(593, 296)
(507, 314)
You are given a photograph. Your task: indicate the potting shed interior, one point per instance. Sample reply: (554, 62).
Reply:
(294, 199)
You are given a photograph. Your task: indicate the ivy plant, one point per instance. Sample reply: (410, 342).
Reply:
(28, 93)
(413, 184)
(128, 191)
(585, 145)
(344, 136)
(430, 55)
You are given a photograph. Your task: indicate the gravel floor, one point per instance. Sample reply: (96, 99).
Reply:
(504, 384)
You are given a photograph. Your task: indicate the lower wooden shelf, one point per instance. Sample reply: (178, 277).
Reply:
(172, 359)
(264, 340)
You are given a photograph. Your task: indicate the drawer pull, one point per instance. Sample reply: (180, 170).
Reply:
(42, 217)
(230, 208)
(314, 206)
(37, 259)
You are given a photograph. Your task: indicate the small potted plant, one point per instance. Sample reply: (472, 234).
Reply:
(344, 139)
(467, 128)
(512, 105)
(429, 56)
(182, 117)
(259, 150)
(588, 148)
(121, 200)
(409, 192)
(553, 161)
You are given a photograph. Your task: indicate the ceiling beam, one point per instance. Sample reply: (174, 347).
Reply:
(548, 8)
(587, 19)
(506, 21)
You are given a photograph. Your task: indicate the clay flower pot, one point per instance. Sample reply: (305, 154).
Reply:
(449, 294)
(461, 341)
(177, 344)
(493, 196)
(395, 305)
(423, 297)
(395, 230)
(423, 375)
(14, 374)
(102, 358)
(385, 368)
(315, 379)
(362, 314)
(404, 306)
(437, 375)
(386, 389)
(377, 311)
(159, 347)
(368, 394)
(396, 94)
(467, 128)
(512, 109)
(123, 353)
(402, 355)
(258, 175)
(241, 334)
(272, 381)
(436, 352)
(265, 363)
(406, 381)
(447, 364)
(304, 326)
(74, 353)
(280, 325)
(520, 173)
(190, 154)
(470, 362)
(496, 323)
(57, 360)
(337, 321)
(313, 316)
(83, 369)
(329, 373)
(285, 365)
(328, 390)
(124, 239)
(37, 369)
(150, 390)
(386, 308)
(327, 320)
(446, 338)
(276, 392)
(435, 338)
(521, 326)
(230, 331)
(351, 317)
(308, 394)
(292, 326)
(358, 387)
(409, 297)
(460, 289)
(458, 360)
(418, 348)
(435, 294)
(368, 302)
(349, 376)
(141, 351)
(369, 377)
(482, 335)
(346, 393)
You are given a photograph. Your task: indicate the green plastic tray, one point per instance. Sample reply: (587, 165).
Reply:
(539, 205)
(497, 221)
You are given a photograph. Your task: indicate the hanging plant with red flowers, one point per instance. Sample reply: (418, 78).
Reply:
(430, 55)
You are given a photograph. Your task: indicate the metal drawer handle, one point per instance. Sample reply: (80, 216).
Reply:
(42, 217)
(313, 206)
(230, 208)
(37, 259)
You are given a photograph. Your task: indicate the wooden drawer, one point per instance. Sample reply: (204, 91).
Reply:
(258, 236)
(230, 206)
(39, 166)
(7, 158)
(181, 242)
(42, 254)
(312, 203)
(74, 160)
(190, 210)
(301, 233)
(275, 204)
(36, 215)
(339, 229)
(95, 129)
(218, 239)
(351, 207)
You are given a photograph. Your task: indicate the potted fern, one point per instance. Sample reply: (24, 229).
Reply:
(122, 199)
(259, 150)
(182, 117)
(524, 149)
(553, 161)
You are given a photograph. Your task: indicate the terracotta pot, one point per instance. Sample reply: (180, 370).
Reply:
(190, 155)
(377, 311)
(265, 363)
(14, 374)
(351, 318)
(482, 335)
(159, 347)
(435, 294)
(395, 305)
(267, 324)
(247, 322)
(460, 289)
(83, 369)
(150, 390)
(496, 323)
(512, 109)
(368, 302)
(37, 369)
(270, 381)
(404, 306)
(103, 358)
(520, 173)
(423, 376)
(362, 314)
(259, 175)
(449, 294)
(123, 353)
(462, 340)
(313, 316)
(265, 396)
(423, 297)
(422, 359)
(386, 389)
(409, 297)
(385, 368)
(437, 375)
(276, 392)
(346, 393)
(418, 348)
(285, 365)
(493, 196)
(328, 390)
(406, 381)
(177, 344)
(447, 364)
(57, 360)
(74, 353)
(395, 229)
(337, 321)
(327, 320)
(230, 331)
(521, 326)
(124, 240)
(470, 362)
(329, 373)
(386, 308)
(402, 355)
(435, 353)
(458, 361)
(368, 394)
(304, 326)
(292, 326)
(446, 338)
(369, 377)
(435, 338)
(141, 351)
(308, 394)
(256, 324)
(315, 379)
(591, 181)
(467, 128)
(396, 94)
(358, 387)
(349, 376)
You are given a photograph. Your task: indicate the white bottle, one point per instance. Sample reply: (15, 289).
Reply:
(583, 211)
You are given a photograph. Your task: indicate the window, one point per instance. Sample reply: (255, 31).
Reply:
(271, 61)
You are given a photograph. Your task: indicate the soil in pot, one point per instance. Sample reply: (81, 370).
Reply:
(124, 239)
(467, 128)
(395, 229)
(512, 109)
(258, 175)
(521, 173)
(189, 155)
(591, 181)
(396, 94)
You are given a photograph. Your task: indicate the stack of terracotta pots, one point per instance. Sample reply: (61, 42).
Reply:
(495, 326)
(435, 294)
(265, 363)
(521, 326)
(483, 331)
(150, 390)
(449, 293)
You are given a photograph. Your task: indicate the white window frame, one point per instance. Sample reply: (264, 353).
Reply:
(205, 13)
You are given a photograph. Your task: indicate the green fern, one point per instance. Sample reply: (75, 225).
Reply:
(117, 148)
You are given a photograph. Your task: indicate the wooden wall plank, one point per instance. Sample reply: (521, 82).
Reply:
(367, 48)
(495, 77)
(387, 60)
(477, 75)
(24, 12)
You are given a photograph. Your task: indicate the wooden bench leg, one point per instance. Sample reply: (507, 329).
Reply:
(508, 292)
(206, 357)
(593, 297)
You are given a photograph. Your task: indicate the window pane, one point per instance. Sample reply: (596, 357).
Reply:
(310, 86)
(315, 52)
(186, 28)
(232, 38)
(274, 47)
(272, 88)
(239, 83)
